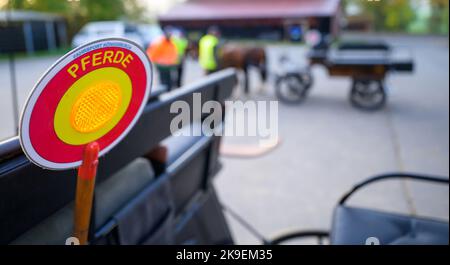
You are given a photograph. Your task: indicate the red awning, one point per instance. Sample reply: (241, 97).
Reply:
(249, 9)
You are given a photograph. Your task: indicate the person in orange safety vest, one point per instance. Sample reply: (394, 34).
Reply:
(163, 54)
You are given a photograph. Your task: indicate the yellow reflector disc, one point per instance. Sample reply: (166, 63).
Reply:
(96, 106)
(92, 106)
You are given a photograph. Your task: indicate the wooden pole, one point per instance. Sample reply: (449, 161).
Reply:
(85, 192)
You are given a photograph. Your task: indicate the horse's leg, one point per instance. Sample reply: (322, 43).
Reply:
(246, 80)
(262, 70)
(262, 66)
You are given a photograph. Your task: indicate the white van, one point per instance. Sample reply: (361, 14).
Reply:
(108, 29)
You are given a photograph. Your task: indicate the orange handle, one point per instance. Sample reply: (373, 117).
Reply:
(88, 168)
(85, 192)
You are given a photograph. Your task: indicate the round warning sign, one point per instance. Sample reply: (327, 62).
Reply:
(96, 92)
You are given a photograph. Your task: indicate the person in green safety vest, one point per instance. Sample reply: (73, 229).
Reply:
(181, 43)
(208, 50)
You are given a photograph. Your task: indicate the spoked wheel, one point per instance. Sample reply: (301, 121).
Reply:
(368, 94)
(293, 88)
(307, 79)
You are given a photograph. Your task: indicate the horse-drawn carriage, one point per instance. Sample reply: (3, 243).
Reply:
(368, 64)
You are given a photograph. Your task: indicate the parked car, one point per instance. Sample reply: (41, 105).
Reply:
(107, 29)
(149, 32)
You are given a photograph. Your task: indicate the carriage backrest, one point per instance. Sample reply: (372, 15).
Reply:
(29, 194)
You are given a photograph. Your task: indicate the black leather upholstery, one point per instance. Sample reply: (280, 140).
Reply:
(353, 226)
(177, 145)
(110, 196)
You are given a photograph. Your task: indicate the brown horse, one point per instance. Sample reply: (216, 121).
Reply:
(240, 57)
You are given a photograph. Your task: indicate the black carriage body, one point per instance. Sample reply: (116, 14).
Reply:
(367, 64)
(369, 60)
(171, 204)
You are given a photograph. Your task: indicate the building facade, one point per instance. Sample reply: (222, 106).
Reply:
(28, 31)
(256, 19)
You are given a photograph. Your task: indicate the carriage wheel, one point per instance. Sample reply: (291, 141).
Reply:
(308, 79)
(292, 88)
(368, 94)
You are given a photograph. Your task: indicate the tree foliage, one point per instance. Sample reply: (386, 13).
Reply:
(79, 12)
(398, 15)
(392, 15)
(438, 22)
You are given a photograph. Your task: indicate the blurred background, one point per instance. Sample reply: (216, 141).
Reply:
(325, 145)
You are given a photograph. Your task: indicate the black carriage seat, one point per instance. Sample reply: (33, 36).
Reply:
(177, 145)
(110, 196)
(361, 226)
(354, 226)
(134, 202)
(179, 207)
(367, 45)
(135, 206)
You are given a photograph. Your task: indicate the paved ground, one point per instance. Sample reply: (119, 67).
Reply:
(327, 145)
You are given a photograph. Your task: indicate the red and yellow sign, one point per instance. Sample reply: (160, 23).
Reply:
(94, 93)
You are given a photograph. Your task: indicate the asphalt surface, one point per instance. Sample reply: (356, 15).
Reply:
(326, 145)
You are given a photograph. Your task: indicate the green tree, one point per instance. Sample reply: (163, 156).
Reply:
(392, 15)
(79, 12)
(398, 15)
(438, 22)
(102, 9)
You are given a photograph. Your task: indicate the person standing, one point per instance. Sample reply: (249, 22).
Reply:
(181, 44)
(163, 53)
(208, 50)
